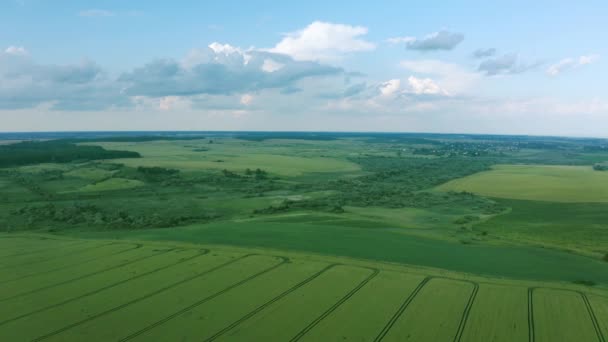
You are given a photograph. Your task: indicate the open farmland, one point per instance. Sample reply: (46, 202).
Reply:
(111, 291)
(537, 182)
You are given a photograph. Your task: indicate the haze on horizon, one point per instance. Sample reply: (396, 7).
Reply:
(466, 67)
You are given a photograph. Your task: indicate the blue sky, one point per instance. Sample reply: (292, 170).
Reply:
(436, 66)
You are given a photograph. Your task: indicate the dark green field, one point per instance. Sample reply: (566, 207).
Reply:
(526, 215)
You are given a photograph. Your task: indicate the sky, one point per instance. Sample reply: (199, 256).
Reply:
(499, 67)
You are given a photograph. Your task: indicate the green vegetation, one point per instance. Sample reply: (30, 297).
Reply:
(112, 290)
(27, 153)
(316, 231)
(544, 183)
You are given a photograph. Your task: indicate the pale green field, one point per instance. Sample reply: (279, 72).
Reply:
(536, 182)
(112, 184)
(124, 291)
(233, 155)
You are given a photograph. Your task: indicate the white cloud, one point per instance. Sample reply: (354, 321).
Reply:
(442, 40)
(427, 86)
(323, 41)
(96, 13)
(390, 87)
(246, 99)
(270, 65)
(224, 48)
(399, 40)
(570, 63)
(16, 51)
(451, 78)
(506, 64)
(166, 102)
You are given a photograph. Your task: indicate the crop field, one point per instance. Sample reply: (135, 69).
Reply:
(229, 154)
(537, 182)
(113, 290)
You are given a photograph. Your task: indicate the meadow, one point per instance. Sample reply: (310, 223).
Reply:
(573, 184)
(329, 236)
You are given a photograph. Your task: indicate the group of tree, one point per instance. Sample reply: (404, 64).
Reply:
(34, 152)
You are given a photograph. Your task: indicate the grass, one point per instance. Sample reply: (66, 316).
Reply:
(167, 291)
(499, 314)
(311, 300)
(211, 318)
(280, 158)
(57, 317)
(366, 204)
(112, 184)
(600, 308)
(370, 308)
(561, 316)
(434, 313)
(577, 184)
(579, 227)
(376, 244)
(130, 321)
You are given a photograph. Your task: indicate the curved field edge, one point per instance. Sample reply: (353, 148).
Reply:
(419, 270)
(505, 261)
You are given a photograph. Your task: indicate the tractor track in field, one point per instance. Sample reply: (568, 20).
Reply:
(141, 298)
(107, 287)
(39, 251)
(531, 334)
(270, 302)
(69, 253)
(463, 320)
(75, 279)
(596, 324)
(401, 309)
(70, 265)
(467, 311)
(333, 308)
(284, 260)
(588, 306)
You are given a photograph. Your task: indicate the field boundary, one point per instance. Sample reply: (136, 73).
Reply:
(71, 265)
(336, 305)
(270, 302)
(141, 298)
(284, 261)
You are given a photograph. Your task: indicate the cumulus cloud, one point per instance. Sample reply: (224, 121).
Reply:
(483, 53)
(96, 13)
(16, 50)
(570, 63)
(246, 99)
(323, 41)
(390, 87)
(270, 65)
(26, 84)
(451, 78)
(505, 64)
(222, 71)
(442, 40)
(425, 86)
